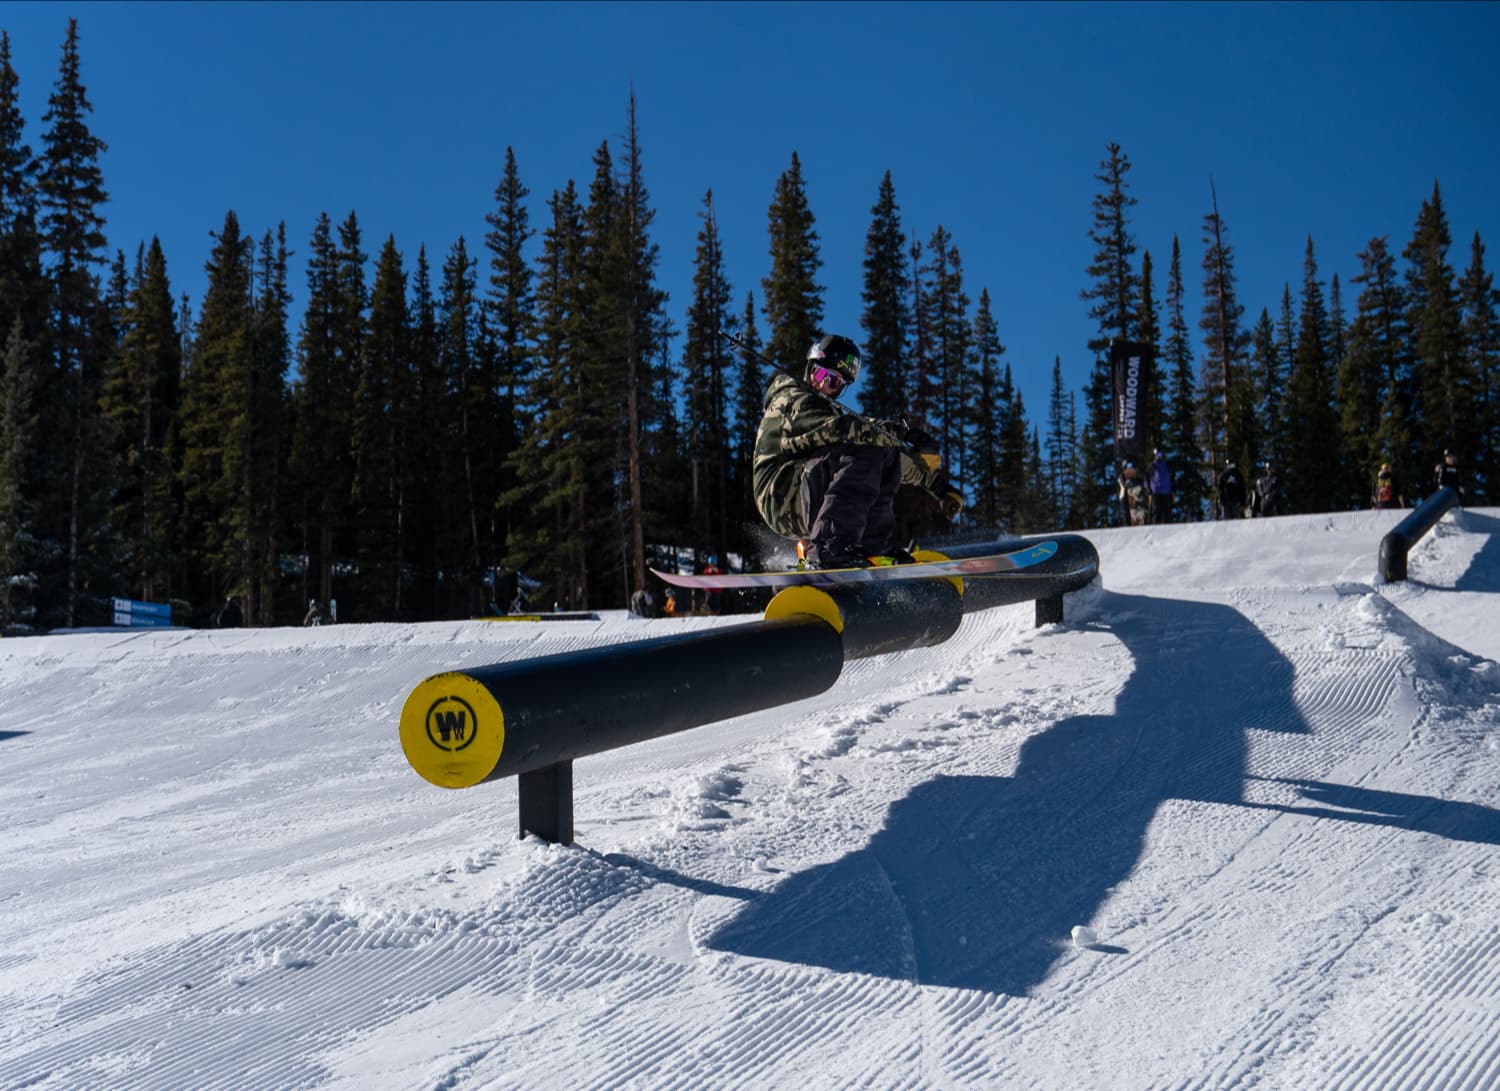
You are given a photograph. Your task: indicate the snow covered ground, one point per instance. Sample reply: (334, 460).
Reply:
(1265, 784)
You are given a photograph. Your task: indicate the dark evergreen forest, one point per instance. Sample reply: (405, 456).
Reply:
(524, 403)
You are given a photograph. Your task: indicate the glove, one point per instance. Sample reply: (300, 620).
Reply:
(925, 448)
(952, 501)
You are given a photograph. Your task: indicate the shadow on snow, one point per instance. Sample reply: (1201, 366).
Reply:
(975, 881)
(1483, 573)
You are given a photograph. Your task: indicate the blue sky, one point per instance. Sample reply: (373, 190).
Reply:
(1326, 119)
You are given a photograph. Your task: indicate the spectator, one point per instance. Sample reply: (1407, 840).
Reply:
(1446, 473)
(1159, 482)
(1230, 487)
(1132, 496)
(1269, 499)
(230, 615)
(1386, 494)
(713, 597)
(316, 615)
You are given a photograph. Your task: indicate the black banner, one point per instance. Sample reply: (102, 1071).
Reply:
(1131, 364)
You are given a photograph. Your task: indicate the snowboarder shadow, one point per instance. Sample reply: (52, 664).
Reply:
(976, 881)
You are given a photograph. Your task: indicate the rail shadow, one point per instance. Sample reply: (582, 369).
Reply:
(1483, 573)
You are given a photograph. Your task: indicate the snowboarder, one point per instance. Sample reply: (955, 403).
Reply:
(1269, 498)
(1385, 493)
(1132, 495)
(1159, 482)
(316, 615)
(830, 476)
(1231, 492)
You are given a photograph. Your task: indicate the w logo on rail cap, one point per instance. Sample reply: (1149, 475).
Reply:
(451, 723)
(452, 730)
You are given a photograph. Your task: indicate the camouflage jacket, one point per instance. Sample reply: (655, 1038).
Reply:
(797, 423)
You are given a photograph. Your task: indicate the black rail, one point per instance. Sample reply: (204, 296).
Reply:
(530, 719)
(1397, 544)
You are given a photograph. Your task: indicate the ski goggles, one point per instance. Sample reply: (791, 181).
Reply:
(821, 375)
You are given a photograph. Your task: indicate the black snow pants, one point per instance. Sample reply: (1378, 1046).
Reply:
(849, 496)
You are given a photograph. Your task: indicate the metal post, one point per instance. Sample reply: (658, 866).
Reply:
(547, 802)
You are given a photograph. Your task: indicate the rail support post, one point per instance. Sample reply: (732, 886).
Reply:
(547, 802)
(1049, 611)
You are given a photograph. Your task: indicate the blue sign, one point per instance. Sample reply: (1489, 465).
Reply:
(136, 615)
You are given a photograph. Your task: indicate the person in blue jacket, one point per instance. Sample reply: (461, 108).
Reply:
(1159, 485)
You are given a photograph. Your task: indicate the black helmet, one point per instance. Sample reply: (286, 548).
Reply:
(837, 354)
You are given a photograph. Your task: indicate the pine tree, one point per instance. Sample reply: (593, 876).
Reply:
(989, 420)
(17, 544)
(792, 297)
(1193, 472)
(750, 388)
(1481, 336)
(71, 185)
(1443, 387)
(466, 396)
(887, 299)
(1313, 460)
(943, 383)
(1148, 332)
(140, 401)
(643, 338)
(1016, 483)
(706, 360)
(1286, 348)
(1224, 342)
(214, 421)
(1061, 451)
(23, 316)
(1075, 473)
(1338, 327)
(329, 348)
(512, 307)
(431, 428)
(1113, 294)
(23, 286)
(922, 363)
(551, 496)
(1036, 515)
(383, 429)
(1373, 378)
(1110, 296)
(1267, 383)
(266, 433)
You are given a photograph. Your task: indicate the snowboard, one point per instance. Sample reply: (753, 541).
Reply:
(998, 564)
